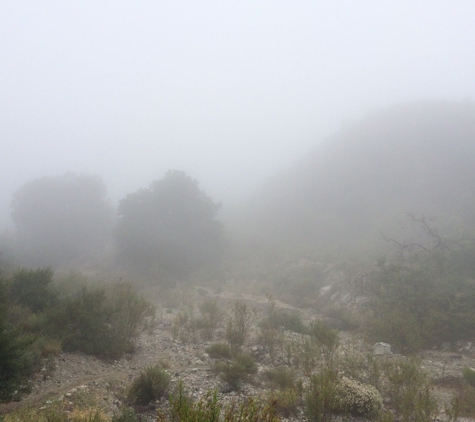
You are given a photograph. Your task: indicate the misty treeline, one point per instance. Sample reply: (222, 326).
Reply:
(169, 229)
(344, 199)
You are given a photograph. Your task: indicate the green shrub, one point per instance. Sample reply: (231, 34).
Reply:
(99, 324)
(238, 371)
(286, 401)
(357, 399)
(150, 385)
(238, 326)
(321, 396)
(211, 315)
(33, 288)
(469, 375)
(219, 350)
(325, 338)
(207, 409)
(15, 352)
(424, 301)
(281, 377)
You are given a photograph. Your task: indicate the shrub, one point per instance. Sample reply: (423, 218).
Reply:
(211, 314)
(151, 384)
(238, 371)
(281, 377)
(97, 324)
(326, 339)
(357, 399)
(238, 326)
(32, 288)
(469, 375)
(207, 409)
(219, 350)
(285, 401)
(321, 396)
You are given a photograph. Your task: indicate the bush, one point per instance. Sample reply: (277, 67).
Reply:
(219, 350)
(469, 375)
(237, 371)
(281, 377)
(424, 301)
(150, 385)
(285, 401)
(357, 399)
(238, 326)
(32, 288)
(100, 324)
(321, 396)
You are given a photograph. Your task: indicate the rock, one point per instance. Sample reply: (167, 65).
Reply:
(382, 349)
(324, 290)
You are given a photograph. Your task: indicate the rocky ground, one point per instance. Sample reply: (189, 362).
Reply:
(77, 380)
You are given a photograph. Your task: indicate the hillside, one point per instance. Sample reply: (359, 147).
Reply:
(364, 180)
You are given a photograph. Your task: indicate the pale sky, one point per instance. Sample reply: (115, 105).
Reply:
(228, 91)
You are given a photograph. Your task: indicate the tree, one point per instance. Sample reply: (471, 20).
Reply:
(62, 219)
(169, 228)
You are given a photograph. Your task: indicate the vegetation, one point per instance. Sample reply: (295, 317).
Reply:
(169, 229)
(63, 219)
(150, 385)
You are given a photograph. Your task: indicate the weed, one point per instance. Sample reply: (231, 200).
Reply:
(281, 377)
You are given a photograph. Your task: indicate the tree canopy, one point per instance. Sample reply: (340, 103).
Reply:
(62, 219)
(169, 228)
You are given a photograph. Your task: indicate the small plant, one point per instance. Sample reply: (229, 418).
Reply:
(238, 326)
(281, 377)
(238, 371)
(150, 385)
(219, 350)
(285, 401)
(326, 339)
(211, 314)
(469, 376)
(321, 396)
(357, 399)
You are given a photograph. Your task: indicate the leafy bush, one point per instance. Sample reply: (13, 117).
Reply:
(285, 401)
(14, 352)
(100, 324)
(281, 377)
(219, 350)
(238, 371)
(326, 339)
(150, 385)
(424, 301)
(33, 288)
(357, 399)
(321, 396)
(469, 375)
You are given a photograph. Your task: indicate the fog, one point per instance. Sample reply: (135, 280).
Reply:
(229, 92)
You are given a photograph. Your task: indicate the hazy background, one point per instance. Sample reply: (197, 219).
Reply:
(229, 92)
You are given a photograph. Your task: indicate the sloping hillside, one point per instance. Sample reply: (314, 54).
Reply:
(415, 158)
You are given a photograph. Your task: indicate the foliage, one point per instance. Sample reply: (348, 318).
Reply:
(150, 385)
(219, 350)
(285, 401)
(98, 324)
(14, 352)
(236, 372)
(424, 301)
(409, 391)
(61, 219)
(238, 326)
(469, 375)
(321, 396)
(168, 229)
(357, 399)
(207, 409)
(281, 377)
(33, 288)
(211, 315)
(325, 338)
